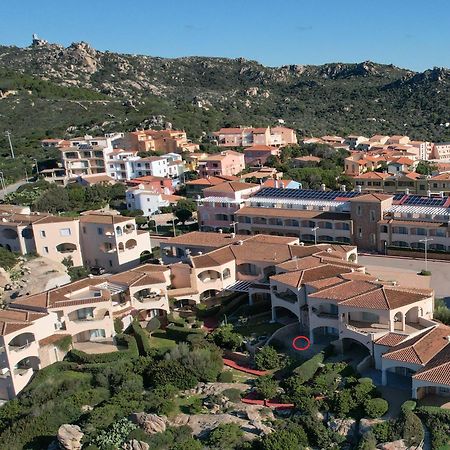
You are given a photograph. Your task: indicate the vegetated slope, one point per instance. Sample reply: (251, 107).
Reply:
(89, 90)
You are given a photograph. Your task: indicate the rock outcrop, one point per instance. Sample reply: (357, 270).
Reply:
(150, 423)
(69, 437)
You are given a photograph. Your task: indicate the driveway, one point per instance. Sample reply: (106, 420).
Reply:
(11, 188)
(404, 270)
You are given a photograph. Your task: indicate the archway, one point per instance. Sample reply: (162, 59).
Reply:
(24, 366)
(66, 247)
(21, 341)
(9, 233)
(130, 244)
(399, 377)
(90, 335)
(398, 321)
(144, 257)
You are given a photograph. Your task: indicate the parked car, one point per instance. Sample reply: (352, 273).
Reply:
(98, 270)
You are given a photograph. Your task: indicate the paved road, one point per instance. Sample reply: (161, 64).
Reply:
(404, 270)
(11, 188)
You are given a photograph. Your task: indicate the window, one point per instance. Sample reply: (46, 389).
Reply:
(372, 215)
(45, 249)
(99, 230)
(110, 263)
(43, 234)
(84, 230)
(360, 232)
(372, 238)
(65, 232)
(358, 210)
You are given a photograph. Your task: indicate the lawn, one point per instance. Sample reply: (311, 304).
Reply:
(241, 377)
(258, 329)
(161, 343)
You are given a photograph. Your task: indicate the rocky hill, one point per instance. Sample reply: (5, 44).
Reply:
(48, 89)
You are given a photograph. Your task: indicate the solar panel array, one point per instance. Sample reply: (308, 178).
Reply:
(417, 200)
(309, 194)
(398, 197)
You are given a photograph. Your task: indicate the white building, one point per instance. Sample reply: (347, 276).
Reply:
(145, 199)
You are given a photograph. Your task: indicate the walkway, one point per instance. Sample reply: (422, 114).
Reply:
(235, 365)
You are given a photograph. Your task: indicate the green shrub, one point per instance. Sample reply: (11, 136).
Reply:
(226, 376)
(413, 433)
(171, 372)
(115, 435)
(153, 325)
(308, 369)
(409, 405)
(8, 259)
(375, 407)
(118, 325)
(266, 387)
(267, 359)
(225, 437)
(225, 337)
(234, 395)
(142, 339)
(64, 343)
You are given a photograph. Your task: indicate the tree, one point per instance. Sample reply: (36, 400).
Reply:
(225, 337)
(188, 204)
(375, 407)
(426, 168)
(280, 440)
(226, 436)
(267, 358)
(266, 387)
(183, 215)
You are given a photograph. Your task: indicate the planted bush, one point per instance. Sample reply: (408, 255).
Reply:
(226, 376)
(376, 407)
(267, 359)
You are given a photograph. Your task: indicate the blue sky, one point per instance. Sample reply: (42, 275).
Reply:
(413, 34)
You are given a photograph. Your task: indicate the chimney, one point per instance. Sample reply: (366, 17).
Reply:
(276, 183)
(281, 185)
(429, 193)
(407, 191)
(441, 194)
(220, 231)
(302, 244)
(322, 187)
(343, 188)
(359, 189)
(232, 235)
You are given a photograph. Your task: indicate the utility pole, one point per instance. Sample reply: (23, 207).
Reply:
(315, 234)
(3, 184)
(37, 167)
(233, 224)
(173, 225)
(8, 135)
(425, 241)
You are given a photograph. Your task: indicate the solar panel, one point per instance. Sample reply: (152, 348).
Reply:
(416, 200)
(307, 194)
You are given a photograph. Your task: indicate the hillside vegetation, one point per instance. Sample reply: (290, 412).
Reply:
(55, 91)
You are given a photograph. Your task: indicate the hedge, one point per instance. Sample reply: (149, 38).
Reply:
(142, 339)
(308, 369)
(413, 433)
(375, 407)
(132, 351)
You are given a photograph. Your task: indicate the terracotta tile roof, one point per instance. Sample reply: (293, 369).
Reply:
(104, 218)
(14, 319)
(372, 176)
(422, 348)
(437, 370)
(300, 277)
(384, 298)
(49, 340)
(211, 181)
(309, 158)
(391, 339)
(370, 198)
(231, 130)
(259, 148)
(345, 290)
(441, 177)
(325, 283)
(206, 239)
(230, 186)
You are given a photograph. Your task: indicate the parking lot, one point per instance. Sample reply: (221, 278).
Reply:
(404, 270)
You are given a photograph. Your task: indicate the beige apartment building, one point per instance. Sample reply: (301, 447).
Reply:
(320, 289)
(93, 239)
(32, 328)
(112, 241)
(248, 136)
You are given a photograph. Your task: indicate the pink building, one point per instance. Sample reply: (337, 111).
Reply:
(216, 210)
(258, 154)
(225, 163)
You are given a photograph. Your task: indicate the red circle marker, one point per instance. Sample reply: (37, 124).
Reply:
(304, 338)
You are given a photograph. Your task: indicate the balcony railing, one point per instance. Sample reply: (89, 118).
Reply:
(18, 348)
(326, 315)
(22, 371)
(286, 297)
(149, 298)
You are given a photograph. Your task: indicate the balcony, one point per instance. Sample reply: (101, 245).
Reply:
(287, 297)
(148, 298)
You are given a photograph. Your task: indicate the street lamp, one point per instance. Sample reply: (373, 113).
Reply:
(156, 223)
(233, 224)
(314, 230)
(425, 241)
(8, 135)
